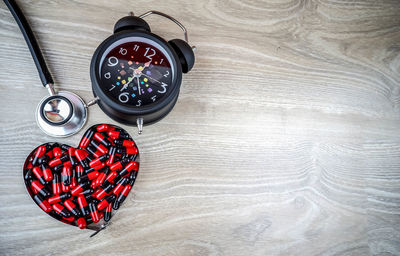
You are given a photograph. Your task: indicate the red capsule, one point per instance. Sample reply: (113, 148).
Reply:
(83, 205)
(110, 177)
(118, 165)
(99, 146)
(42, 203)
(57, 151)
(105, 202)
(39, 188)
(39, 174)
(99, 180)
(47, 174)
(79, 189)
(64, 188)
(81, 222)
(98, 161)
(86, 138)
(56, 184)
(82, 155)
(40, 151)
(58, 161)
(61, 210)
(125, 143)
(103, 128)
(58, 198)
(72, 207)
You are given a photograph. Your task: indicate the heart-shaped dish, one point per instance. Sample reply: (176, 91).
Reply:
(81, 186)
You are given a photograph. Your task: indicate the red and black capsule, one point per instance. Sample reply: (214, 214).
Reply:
(39, 175)
(111, 154)
(59, 161)
(124, 193)
(96, 168)
(99, 146)
(98, 161)
(83, 205)
(81, 223)
(115, 205)
(28, 175)
(82, 157)
(110, 178)
(66, 176)
(56, 184)
(120, 186)
(87, 192)
(74, 179)
(57, 150)
(64, 188)
(93, 212)
(39, 189)
(88, 177)
(108, 212)
(105, 202)
(92, 150)
(58, 198)
(118, 134)
(71, 154)
(119, 165)
(86, 138)
(40, 151)
(79, 189)
(72, 207)
(104, 191)
(60, 209)
(100, 137)
(79, 171)
(125, 143)
(47, 173)
(129, 167)
(127, 151)
(42, 203)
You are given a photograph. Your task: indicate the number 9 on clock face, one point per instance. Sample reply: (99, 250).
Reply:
(136, 72)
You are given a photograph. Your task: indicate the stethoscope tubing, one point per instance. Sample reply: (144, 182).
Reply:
(44, 73)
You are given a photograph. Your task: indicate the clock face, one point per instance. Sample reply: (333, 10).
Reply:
(136, 72)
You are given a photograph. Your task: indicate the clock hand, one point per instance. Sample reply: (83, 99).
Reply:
(151, 78)
(138, 84)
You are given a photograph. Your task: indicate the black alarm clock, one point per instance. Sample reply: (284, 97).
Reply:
(136, 75)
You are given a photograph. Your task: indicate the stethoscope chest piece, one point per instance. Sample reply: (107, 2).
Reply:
(61, 115)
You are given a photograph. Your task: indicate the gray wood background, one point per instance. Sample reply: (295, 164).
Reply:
(285, 139)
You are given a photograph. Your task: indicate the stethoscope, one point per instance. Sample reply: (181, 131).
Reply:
(62, 113)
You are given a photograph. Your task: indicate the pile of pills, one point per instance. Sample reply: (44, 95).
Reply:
(80, 186)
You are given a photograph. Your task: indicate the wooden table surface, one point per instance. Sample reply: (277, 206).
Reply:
(284, 141)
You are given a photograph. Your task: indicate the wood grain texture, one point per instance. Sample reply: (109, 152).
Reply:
(284, 141)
